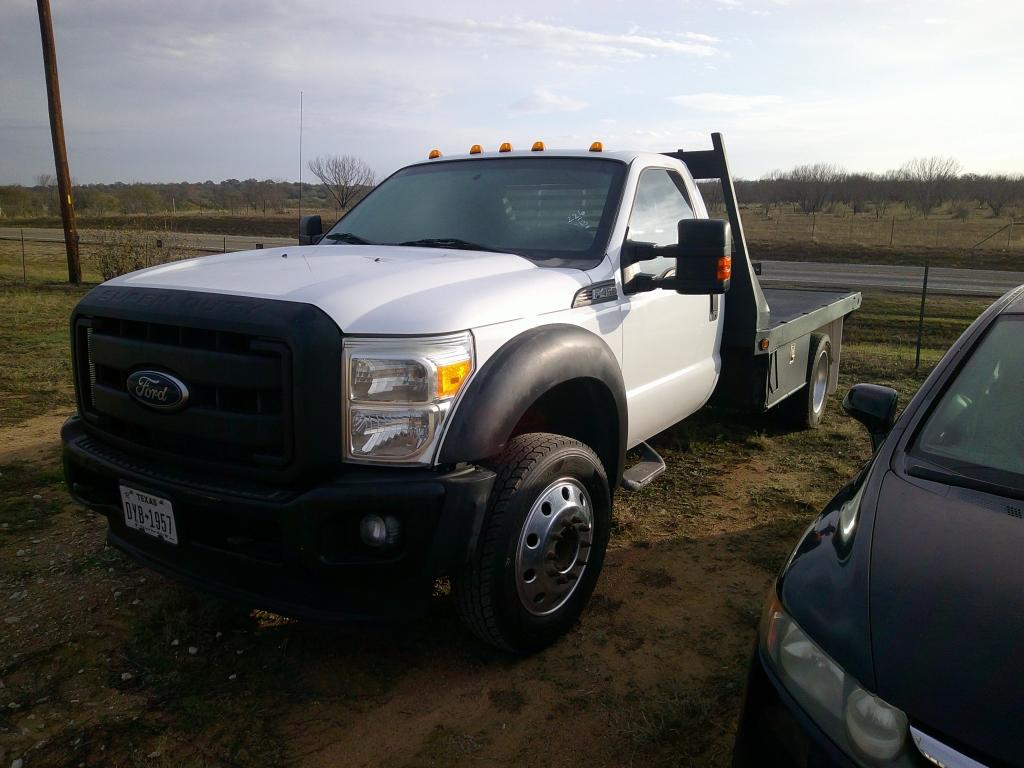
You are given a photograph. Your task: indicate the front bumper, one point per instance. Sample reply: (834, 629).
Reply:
(292, 550)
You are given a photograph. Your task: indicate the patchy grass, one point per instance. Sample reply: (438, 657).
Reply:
(35, 356)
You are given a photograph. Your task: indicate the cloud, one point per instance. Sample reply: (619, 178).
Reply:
(542, 101)
(936, 20)
(724, 102)
(562, 39)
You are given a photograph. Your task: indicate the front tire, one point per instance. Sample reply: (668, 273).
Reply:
(542, 544)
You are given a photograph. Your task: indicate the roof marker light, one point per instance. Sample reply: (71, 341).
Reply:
(538, 146)
(505, 147)
(476, 149)
(434, 154)
(597, 146)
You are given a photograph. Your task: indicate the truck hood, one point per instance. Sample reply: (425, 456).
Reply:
(380, 289)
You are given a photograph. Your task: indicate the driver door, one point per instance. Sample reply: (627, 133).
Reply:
(670, 341)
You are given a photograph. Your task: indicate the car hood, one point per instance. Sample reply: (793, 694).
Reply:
(947, 613)
(380, 289)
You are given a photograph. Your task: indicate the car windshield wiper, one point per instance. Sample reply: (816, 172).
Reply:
(448, 242)
(948, 477)
(347, 237)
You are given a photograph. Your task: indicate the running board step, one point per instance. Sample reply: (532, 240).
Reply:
(644, 471)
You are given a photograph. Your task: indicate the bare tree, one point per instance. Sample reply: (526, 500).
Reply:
(48, 182)
(345, 177)
(997, 192)
(929, 181)
(813, 186)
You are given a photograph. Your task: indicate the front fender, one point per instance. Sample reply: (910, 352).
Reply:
(518, 375)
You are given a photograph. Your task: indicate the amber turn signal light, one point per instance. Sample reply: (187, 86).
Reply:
(505, 147)
(434, 154)
(476, 149)
(597, 146)
(724, 271)
(538, 146)
(450, 377)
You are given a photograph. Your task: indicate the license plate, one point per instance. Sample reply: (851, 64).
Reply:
(150, 514)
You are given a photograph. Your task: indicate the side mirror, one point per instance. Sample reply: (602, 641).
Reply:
(873, 406)
(704, 257)
(311, 229)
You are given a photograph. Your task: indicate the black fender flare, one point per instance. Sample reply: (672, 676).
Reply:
(517, 375)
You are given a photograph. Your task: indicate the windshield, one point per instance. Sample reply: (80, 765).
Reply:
(557, 210)
(977, 427)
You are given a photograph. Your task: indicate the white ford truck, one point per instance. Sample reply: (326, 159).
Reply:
(444, 384)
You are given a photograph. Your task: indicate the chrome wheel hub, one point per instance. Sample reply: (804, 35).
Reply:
(554, 546)
(820, 383)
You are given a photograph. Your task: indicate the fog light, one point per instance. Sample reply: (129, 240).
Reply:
(377, 531)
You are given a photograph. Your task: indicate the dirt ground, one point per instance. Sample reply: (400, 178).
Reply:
(102, 662)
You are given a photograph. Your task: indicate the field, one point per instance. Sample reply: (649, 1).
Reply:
(102, 662)
(839, 236)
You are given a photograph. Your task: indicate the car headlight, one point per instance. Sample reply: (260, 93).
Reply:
(868, 729)
(399, 393)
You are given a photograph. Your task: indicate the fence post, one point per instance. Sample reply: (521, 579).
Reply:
(1009, 232)
(24, 272)
(920, 321)
(892, 232)
(225, 244)
(814, 221)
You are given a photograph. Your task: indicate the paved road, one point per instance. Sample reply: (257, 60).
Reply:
(972, 282)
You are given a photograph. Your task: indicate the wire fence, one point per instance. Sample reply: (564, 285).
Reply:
(779, 225)
(38, 254)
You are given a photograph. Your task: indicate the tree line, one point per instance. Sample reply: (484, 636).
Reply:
(922, 185)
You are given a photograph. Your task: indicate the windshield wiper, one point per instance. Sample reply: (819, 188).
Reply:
(948, 477)
(448, 242)
(347, 237)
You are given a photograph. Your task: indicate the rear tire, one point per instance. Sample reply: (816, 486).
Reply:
(807, 407)
(542, 544)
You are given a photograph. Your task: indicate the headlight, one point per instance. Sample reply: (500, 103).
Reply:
(868, 729)
(399, 394)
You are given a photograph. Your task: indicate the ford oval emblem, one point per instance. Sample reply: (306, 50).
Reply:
(155, 389)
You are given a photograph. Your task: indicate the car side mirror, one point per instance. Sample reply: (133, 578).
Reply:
(703, 257)
(873, 406)
(311, 229)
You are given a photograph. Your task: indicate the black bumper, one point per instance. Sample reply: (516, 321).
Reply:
(774, 729)
(292, 550)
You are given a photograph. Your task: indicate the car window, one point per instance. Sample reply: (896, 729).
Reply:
(557, 210)
(659, 205)
(977, 427)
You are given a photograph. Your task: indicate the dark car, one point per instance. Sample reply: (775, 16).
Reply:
(894, 634)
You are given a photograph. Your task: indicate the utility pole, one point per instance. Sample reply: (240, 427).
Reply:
(60, 152)
(300, 154)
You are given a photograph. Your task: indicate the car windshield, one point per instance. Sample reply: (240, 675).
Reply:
(977, 428)
(558, 211)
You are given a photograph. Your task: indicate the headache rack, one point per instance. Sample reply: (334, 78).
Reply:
(760, 322)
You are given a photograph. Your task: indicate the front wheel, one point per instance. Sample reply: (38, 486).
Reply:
(542, 544)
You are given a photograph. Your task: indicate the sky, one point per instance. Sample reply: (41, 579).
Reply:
(190, 90)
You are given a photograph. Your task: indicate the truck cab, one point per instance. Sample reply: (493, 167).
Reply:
(443, 384)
